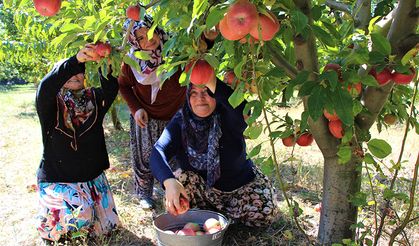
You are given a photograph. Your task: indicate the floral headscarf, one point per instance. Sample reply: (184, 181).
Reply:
(201, 136)
(147, 75)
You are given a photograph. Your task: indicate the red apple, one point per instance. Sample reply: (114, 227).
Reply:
(241, 17)
(133, 12)
(355, 89)
(186, 232)
(47, 7)
(227, 32)
(305, 139)
(382, 77)
(390, 119)
(103, 49)
(318, 207)
(212, 33)
(184, 205)
(329, 116)
(231, 79)
(213, 230)
(268, 26)
(212, 223)
(193, 226)
(403, 79)
(289, 141)
(202, 73)
(335, 67)
(335, 128)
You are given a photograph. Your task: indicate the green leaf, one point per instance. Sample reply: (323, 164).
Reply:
(332, 30)
(299, 20)
(128, 60)
(307, 88)
(369, 80)
(214, 16)
(409, 55)
(268, 167)
(323, 36)
(142, 55)
(58, 40)
(369, 159)
(253, 131)
(70, 27)
(198, 7)
(379, 148)
(212, 60)
(255, 151)
(343, 106)
(236, 98)
(380, 44)
(359, 199)
(344, 154)
(316, 103)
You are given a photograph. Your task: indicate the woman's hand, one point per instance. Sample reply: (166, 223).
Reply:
(174, 192)
(87, 53)
(141, 118)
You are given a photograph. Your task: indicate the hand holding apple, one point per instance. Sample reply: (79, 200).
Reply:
(87, 53)
(174, 191)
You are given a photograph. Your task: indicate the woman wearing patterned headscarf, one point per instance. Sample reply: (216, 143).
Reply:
(74, 193)
(151, 104)
(206, 137)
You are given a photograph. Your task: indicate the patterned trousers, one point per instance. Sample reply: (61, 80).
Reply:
(66, 208)
(142, 141)
(251, 204)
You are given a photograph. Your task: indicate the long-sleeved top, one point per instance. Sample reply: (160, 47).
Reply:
(169, 99)
(235, 169)
(72, 156)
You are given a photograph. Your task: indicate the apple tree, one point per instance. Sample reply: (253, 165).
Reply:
(352, 65)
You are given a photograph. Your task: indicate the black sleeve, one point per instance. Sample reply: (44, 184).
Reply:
(234, 116)
(108, 91)
(50, 85)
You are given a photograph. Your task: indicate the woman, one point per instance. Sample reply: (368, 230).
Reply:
(74, 193)
(206, 137)
(151, 106)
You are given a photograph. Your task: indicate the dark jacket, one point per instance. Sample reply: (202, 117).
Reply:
(236, 169)
(72, 156)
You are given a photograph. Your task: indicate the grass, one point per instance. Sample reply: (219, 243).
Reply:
(20, 153)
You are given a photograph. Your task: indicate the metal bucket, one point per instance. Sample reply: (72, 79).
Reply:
(167, 221)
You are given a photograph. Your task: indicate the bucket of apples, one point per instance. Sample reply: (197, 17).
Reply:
(194, 227)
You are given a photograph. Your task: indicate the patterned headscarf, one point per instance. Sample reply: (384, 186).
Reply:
(77, 106)
(147, 75)
(201, 136)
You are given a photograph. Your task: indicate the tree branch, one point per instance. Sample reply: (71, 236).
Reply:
(279, 61)
(374, 99)
(404, 24)
(362, 14)
(339, 6)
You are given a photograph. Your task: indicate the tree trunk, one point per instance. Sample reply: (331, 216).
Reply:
(115, 119)
(340, 182)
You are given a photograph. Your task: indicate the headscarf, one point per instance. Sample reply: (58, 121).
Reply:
(77, 106)
(147, 75)
(200, 137)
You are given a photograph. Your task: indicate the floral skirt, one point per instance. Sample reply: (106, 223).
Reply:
(251, 204)
(85, 208)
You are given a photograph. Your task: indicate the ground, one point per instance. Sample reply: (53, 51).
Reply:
(21, 148)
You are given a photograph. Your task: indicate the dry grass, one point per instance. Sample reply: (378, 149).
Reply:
(20, 152)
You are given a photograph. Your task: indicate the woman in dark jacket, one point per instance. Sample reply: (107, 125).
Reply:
(206, 137)
(74, 192)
